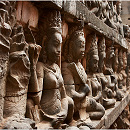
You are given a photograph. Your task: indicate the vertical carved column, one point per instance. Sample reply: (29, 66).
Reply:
(17, 78)
(18, 75)
(6, 20)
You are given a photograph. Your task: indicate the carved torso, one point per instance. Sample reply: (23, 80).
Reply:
(101, 77)
(74, 79)
(51, 96)
(95, 85)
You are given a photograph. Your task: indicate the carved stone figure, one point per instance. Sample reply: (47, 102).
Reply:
(121, 71)
(124, 70)
(107, 103)
(110, 75)
(46, 87)
(75, 78)
(92, 61)
(105, 9)
(112, 13)
(5, 34)
(119, 20)
(93, 6)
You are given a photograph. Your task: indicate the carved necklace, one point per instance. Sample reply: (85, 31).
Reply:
(52, 70)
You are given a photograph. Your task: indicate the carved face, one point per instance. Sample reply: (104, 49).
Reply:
(94, 63)
(78, 48)
(54, 47)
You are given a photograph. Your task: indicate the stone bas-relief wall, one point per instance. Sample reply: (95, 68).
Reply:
(58, 68)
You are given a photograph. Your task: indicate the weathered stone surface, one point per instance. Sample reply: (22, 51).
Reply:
(112, 114)
(17, 122)
(27, 13)
(79, 10)
(54, 35)
(6, 23)
(123, 121)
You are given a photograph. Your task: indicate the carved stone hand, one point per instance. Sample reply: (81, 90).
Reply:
(34, 51)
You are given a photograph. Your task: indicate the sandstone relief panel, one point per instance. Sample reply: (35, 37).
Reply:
(56, 72)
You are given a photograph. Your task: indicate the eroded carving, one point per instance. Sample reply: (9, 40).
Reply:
(112, 81)
(75, 78)
(107, 102)
(5, 32)
(46, 86)
(92, 67)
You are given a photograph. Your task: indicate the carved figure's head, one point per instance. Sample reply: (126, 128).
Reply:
(92, 57)
(53, 38)
(74, 47)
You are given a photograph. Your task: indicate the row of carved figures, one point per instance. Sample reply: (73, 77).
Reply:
(110, 13)
(37, 88)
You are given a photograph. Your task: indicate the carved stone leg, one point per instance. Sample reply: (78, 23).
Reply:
(70, 110)
(96, 110)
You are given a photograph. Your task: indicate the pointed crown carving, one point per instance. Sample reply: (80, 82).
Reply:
(54, 21)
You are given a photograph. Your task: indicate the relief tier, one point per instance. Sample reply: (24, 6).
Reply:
(101, 25)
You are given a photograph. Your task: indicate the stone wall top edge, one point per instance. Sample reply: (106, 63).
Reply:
(76, 7)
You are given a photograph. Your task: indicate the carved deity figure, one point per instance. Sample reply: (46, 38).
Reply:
(105, 9)
(119, 20)
(118, 75)
(93, 6)
(115, 93)
(46, 87)
(121, 71)
(107, 103)
(110, 19)
(75, 77)
(92, 67)
(124, 70)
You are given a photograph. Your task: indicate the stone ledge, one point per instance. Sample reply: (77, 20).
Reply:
(112, 114)
(77, 9)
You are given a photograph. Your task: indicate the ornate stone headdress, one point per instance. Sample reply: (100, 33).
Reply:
(91, 41)
(54, 21)
(101, 45)
(67, 48)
